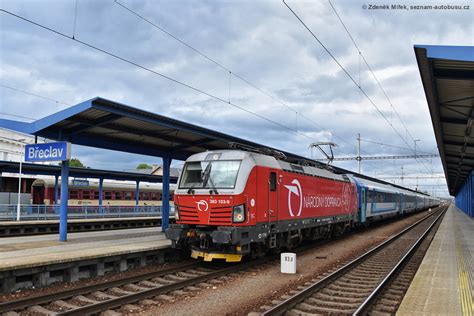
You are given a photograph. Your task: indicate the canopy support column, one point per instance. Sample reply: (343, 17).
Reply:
(165, 207)
(64, 201)
(101, 193)
(137, 193)
(56, 194)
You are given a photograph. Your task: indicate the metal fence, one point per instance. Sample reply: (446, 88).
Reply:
(8, 212)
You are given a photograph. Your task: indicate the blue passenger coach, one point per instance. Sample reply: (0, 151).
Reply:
(378, 200)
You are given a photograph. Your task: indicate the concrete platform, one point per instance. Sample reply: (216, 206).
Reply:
(444, 283)
(41, 260)
(49, 226)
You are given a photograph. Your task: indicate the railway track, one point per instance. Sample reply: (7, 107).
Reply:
(139, 289)
(363, 284)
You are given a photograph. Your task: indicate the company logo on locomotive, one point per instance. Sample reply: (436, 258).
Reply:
(296, 190)
(202, 206)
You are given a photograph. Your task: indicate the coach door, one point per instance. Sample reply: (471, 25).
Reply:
(273, 196)
(363, 205)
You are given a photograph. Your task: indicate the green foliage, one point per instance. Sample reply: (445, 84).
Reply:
(74, 162)
(143, 166)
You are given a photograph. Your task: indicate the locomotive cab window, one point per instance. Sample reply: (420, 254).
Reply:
(273, 181)
(219, 174)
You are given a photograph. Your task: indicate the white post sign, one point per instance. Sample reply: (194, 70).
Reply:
(288, 262)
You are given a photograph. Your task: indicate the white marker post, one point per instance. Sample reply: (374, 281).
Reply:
(288, 262)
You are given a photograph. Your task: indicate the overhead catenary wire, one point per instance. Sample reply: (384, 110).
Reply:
(361, 56)
(231, 72)
(153, 71)
(398, 147)
(347, 74)
(33, 94)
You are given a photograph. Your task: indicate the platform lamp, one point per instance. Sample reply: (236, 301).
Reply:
(19, 178)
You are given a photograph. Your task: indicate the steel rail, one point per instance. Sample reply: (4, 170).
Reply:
(134, 297)
(305, 293)
(31, 301)
(363, 308)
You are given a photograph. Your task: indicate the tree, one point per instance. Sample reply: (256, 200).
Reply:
(144, 166)
(74, 162)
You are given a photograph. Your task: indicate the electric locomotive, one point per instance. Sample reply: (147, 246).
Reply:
(231, 203)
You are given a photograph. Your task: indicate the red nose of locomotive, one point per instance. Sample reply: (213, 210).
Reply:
(219, 210)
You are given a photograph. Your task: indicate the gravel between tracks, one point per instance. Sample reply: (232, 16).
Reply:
(59, 287)
(248, 291)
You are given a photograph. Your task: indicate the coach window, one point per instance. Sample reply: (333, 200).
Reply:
(145, 196)
(154, 196)
(273, 181)
(73, 194)
(108, 195)
(86, 195)
(128, 195)
(96, 195)
(117, 195)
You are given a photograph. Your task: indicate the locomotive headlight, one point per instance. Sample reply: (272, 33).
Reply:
(176, 212)
(238, 213)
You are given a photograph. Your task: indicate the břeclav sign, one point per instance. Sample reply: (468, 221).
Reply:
(58, 151)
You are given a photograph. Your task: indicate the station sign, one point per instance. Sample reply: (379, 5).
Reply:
(80, 182)
(59, 151)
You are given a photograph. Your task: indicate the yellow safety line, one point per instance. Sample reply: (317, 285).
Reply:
(465, 292)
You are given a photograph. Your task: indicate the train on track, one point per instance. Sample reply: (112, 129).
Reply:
(232, 203)
(86, 192)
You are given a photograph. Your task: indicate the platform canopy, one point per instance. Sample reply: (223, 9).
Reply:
(52, 170)
(447, 73)
(106, 124)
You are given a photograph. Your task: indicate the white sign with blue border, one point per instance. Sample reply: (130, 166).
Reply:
(59, 151)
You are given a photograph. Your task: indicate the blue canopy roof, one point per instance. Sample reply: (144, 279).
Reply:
(447, 73)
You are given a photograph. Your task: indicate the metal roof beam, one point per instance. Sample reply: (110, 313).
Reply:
(454, 143)
(137, 132)
(456, 100)
(85, 125)
(452, 120)
(453, 74)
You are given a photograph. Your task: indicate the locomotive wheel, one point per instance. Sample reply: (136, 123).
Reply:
(258, 251)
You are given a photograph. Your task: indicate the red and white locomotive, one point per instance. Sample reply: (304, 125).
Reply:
(231, 203)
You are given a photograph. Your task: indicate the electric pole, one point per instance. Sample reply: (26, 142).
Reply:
(358, 150)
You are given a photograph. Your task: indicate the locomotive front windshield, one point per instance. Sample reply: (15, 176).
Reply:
(210, 174)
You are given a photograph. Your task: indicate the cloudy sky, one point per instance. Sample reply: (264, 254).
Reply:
(307, 98)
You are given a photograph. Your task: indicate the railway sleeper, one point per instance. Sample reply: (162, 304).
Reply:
(162, 281)
(134, 288)
(102, 296)
(346, 304)
(337, 290)
(118, 291)
(359, 281)
(332, 292)
(327, 297)
(37, 309)
(352, 286)
(148, 302)
(62, 305)
(130, 308)
(388, 302)
(164, 297)
(175, 278)
(187, 275)
(149, 284)
(382, 307)
(322, 310)
(82, 300)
